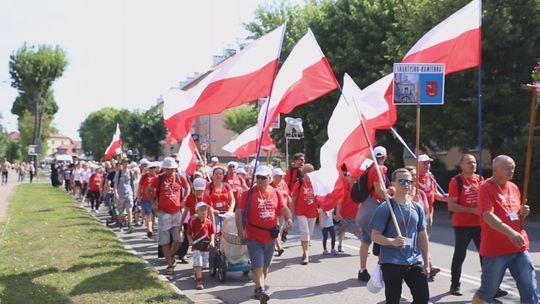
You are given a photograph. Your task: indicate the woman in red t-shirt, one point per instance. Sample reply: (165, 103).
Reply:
(280, 185)
(95, 188)
(304, 207)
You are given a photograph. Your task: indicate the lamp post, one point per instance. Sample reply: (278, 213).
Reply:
(293, 130)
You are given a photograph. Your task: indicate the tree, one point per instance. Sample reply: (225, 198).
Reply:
(240, 118)
(33, 72)
(97, 129)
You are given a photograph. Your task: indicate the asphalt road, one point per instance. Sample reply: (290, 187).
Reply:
(331, 279)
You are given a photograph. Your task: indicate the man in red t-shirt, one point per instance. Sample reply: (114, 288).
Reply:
(261, 218)
(346, 212)
(294, 172)
(237, 183)
(146, 205)
(365, 214)
(505, 244)
(168, 188)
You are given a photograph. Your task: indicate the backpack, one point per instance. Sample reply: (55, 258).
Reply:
(299, 176)
(359, 190)
(130, 178)
(459, 181)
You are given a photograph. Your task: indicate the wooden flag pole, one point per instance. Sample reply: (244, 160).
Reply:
(532, 122)
(417, 152)
(201, 159)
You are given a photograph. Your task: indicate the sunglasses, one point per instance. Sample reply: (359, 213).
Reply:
(262, 177)
(405, 182)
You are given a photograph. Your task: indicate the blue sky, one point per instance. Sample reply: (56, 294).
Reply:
(121, 53)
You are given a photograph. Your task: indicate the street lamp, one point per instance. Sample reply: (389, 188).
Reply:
(293, 130)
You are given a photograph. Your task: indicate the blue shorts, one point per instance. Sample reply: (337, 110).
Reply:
(260, 254)
(364, 216)
(521, 268)
(146, 207)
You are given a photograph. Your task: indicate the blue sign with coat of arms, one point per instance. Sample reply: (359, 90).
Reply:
(418, 83)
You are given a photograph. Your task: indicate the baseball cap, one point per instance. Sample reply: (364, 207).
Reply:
(278, 172)
(200, 205)
(144, 161)
(214, 159)
(232, 163)
(263, 171)
(424, 157)
(241, 171)
(199, 184)
(153, 164)
(169, 163)
(379, 151)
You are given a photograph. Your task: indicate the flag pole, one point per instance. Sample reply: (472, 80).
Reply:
(417, 152)
(201, 159)
(532, 122)
(377, 168)
(480, 144)
(259, 144)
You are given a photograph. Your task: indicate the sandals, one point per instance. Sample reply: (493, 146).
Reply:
(183, 261)
(169, 271)
(280, 252)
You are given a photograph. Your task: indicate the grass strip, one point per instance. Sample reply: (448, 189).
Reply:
(54, 252)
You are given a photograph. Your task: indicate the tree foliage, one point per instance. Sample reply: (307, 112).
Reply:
(240, 118)
(142, 132)
(33, 72)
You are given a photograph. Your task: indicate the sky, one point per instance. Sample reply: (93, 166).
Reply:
(121, 53)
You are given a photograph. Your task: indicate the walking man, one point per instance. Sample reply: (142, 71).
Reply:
(261, 226)
(124, 194)
(405, 257)
(505, 244)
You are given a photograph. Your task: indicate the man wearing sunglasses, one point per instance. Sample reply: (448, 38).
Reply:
(261, 219)
(405, 257)
(294, 172)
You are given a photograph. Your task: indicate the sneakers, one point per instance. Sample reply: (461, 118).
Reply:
(500, 293)
(199, 285)
(121, 228)
(130, 229)
(325, 252)
(261, 295)
(340, 249)
(334, 252)
(455, 291)
(149, 234)
(363, 275)
(284, 235)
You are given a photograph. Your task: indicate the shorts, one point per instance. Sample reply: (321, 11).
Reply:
(305, 225)
(260, 254)
(146, 207)
(200, 258)
(124, 204)
(349, 225)
(364, 216)
(78, 184)
(168, 226)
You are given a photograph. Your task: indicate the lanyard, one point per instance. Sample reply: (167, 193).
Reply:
(506, 197)
(403, 218)
(475, 185)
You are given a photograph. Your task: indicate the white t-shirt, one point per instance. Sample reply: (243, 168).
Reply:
(86, 175)
(78, 174)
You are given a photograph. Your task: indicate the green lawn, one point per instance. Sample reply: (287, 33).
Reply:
(54, 252)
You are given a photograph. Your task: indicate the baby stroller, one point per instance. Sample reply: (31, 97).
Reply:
(113, 210)
(230, 253)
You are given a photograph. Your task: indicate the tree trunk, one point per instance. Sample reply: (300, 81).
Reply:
(37, 128)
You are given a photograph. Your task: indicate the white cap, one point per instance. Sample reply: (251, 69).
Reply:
(424, 157)
(197, 173)
(169, 163)
(214, 159)
(200, 204)
(379, 151)
(232, 163)
(144, 161)
(278, 172)
(153, 164)
(241, 171)
(263, 171)
(199, 184)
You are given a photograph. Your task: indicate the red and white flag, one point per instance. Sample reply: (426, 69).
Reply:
(242, 78)
(115, 147)
(187, 155)
(304, 76)
(346, 141)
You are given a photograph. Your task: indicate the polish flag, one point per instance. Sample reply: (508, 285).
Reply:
(346, 141)
(242, 78)
(187, 155)
(115, 147)
(305, 76)
(244, 145)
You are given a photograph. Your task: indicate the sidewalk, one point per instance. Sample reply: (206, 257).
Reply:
(5, 192)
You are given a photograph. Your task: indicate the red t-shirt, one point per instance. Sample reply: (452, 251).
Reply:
(143, 184)
(282, 190)
(467, 198)
(373, 178)
(502, 201)
(426, 184)
(305, 200)
(262, 212)
(192, 201)
(95, 182)
(291, 178)
(198, 228)
(349, 208)
(169, 193)
(221, 197)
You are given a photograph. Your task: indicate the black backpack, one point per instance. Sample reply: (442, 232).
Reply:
(359, 190)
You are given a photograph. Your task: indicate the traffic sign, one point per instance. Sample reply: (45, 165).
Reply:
(33, 150)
